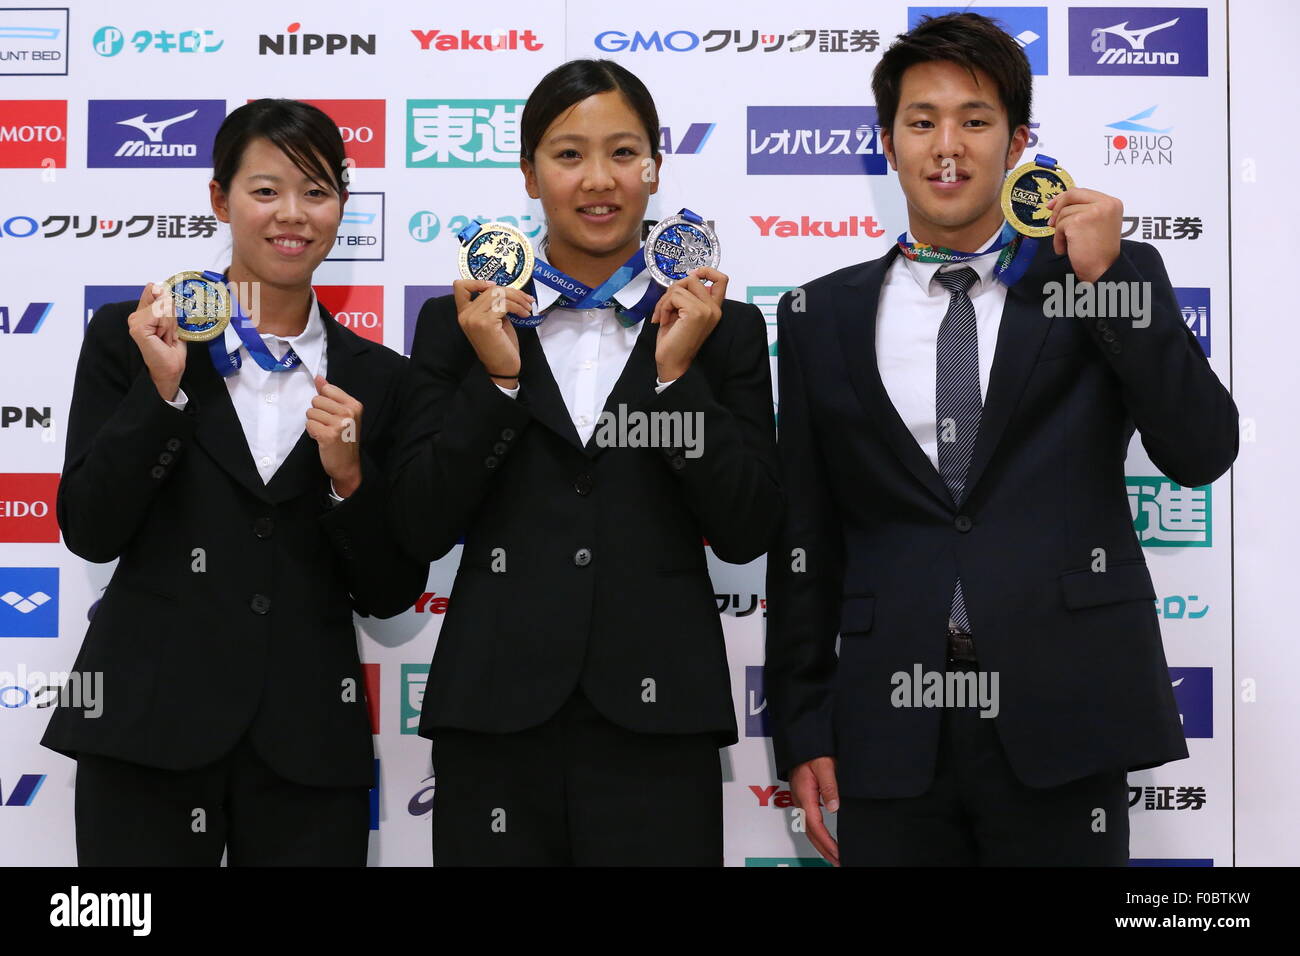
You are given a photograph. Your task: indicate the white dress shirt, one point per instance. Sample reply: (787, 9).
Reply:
(911, 309)
(587, 350)
(272, 406)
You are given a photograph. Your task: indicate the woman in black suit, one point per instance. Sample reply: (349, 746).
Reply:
(241, 483)
(580, 691)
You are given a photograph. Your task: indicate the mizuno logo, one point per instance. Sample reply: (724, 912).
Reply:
(155, 130)
(1136, 39)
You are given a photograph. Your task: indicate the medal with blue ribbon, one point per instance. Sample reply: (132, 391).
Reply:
(202, 305)
(499, 253)
(1025, 196)
(228, 363)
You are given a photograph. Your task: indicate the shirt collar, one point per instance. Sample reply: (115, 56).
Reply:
(924, 272)
(627, 297)
(309, 344)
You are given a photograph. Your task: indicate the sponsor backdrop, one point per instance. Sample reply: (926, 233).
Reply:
(106, 121)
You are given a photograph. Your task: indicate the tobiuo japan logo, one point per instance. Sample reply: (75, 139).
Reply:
(1138, 41)
(152, 133)
(1169, 515)
(1026, 25)
(29, 602)
(815, 140)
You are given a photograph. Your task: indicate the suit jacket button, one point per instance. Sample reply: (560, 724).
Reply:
(263, 527)
(582, 557)
(583, 484)
(173, 444)
(491, 461)
(963, 523)
(1114, 348)
(260, 604)
(678, 462)
(157, 471)
(166, 458)
(507, 434)
(1102, 325)
(500, 448)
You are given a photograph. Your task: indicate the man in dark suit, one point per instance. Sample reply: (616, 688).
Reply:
(953, 451)
(234, 712)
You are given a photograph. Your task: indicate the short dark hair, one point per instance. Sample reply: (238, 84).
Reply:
(573, 82)
(303, 132)
(967, 39)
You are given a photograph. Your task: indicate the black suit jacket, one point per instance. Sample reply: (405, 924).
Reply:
(1083, 683)
(600, 574)
(261, 640)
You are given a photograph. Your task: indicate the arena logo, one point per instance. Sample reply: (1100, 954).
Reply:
(27, 415)
(362, 124)
(29, 322)
(356, 307)
(1026, 25)
(152, 134)
(815, 140)
(775, 226)
(294, 43)
(465, 40)
(27, 508)
(1195, 305)
(29, 602)
(1138, 41)
(361, 233)
(33, 134)
(34, 41)
(1137, 143)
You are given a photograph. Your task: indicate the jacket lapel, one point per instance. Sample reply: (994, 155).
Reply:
(856, 319)
(302, 467)
(1020, 337)
(539, 389)
(218, 429)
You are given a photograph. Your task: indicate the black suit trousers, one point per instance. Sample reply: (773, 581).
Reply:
(131, 815)
(977, 813)
(577, 790)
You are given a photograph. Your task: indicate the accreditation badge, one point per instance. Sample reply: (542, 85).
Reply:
(678, 244)
(202, 306)
(1028, 190)
(495, 252)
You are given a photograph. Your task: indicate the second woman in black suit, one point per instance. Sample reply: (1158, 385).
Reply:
(580, 691)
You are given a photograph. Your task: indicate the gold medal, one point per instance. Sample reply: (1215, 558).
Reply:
(202, 306)
(1028, 190)
(496, 252)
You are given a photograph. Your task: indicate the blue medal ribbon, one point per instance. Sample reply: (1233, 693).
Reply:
(228, 363)
(578, 295)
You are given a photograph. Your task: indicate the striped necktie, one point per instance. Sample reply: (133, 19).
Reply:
(957, 398)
